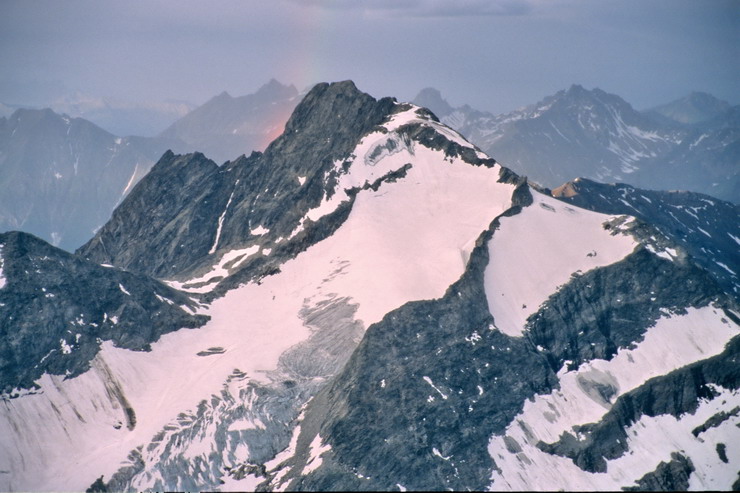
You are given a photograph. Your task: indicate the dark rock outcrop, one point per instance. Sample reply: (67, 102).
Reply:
(668, 476)
(57, 308)
(208, 209)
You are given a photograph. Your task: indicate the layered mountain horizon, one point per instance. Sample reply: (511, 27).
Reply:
(689, 144)
(372, 302)
(61, 177)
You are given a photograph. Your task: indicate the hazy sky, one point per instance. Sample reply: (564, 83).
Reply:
(492, 54)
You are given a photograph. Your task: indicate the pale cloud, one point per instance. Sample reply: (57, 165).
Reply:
(426, 8)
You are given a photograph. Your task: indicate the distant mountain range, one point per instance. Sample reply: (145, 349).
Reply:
(226, 127)
(123, 117)
(690, 144)
(61, 177)
(373, 304)
(697, 107)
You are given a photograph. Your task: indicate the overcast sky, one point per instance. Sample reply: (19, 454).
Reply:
(495, 55)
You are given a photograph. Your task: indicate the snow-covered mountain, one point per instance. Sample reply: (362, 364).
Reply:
(226, 127)
(709, 229)
(380, 306)
(596, 135)
(61, 177)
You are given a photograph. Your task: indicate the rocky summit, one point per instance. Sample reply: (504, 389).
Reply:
(374, 303)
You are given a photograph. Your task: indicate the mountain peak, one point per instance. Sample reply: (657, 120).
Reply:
(697, 107)
(330, 105)
(273, 89)
(705, 98)
(431, 98)
(576, 89)
(578, 92)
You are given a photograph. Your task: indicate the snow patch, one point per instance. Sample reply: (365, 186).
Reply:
(315, 451)
(3, 282)
(66, 348)
(673, 342)
(221, 222)
(725, 267)
(429, 381)
(536, 251)
(228, 262)
(259, 231)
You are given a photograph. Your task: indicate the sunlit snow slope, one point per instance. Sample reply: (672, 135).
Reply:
(577, 351)
(388, 308)
(405, 239)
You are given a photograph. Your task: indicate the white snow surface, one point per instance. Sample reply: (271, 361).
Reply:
(408, 241)
(259, 231)
(229, 261)
(221, 222)
(315, 450)
(2, 278)
(536, 251)
(673, 342)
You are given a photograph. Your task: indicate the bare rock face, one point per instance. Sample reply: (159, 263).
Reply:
(188, 208)
(56, 309)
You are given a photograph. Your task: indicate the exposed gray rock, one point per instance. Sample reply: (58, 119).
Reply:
(722, 452)
(715, 421)
(56, 309)
(207, 209)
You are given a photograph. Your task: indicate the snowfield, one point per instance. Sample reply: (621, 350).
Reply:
(536, 251)
(409, 240)
(673, 342)
(201, 395)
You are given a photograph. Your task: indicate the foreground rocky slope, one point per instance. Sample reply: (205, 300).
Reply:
(388, 308)
(57, 308)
